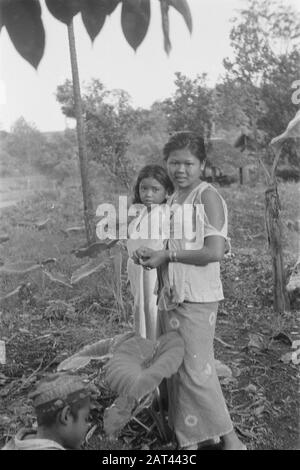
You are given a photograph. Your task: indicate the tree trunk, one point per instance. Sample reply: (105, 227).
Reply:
(273, 225)
(241, 175)
(88, 211)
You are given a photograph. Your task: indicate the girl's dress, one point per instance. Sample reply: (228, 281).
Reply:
(188, 299)
(149, 225)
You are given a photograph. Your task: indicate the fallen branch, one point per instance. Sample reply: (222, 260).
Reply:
(223, 342)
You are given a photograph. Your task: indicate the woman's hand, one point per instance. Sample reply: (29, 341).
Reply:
(142, 253)
(156, 259)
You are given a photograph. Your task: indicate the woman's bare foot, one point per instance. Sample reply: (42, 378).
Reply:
(203, 444)
(232, 442)
(192, 447)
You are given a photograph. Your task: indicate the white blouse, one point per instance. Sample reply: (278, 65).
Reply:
(189, 282)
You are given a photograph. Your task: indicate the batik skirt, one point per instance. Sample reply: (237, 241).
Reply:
(197, 409)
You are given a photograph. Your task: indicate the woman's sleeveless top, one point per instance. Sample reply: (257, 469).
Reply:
(185, 282)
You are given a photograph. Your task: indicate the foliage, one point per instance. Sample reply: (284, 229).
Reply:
(35, 343)
(53, 153)
(147, 138)
(135, 369)
(120, 139)
(25, 143)
(139, 365)
(256, 91)
(108, 119)
(23, 22)
(190, 106)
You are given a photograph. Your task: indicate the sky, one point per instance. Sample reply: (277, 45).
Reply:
(147, 75)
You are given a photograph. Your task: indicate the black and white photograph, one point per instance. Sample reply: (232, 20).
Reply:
(150, 227)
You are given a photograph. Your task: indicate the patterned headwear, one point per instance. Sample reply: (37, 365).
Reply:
(59, 390)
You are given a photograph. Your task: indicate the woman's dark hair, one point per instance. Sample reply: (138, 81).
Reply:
(186, 139)
(152, 171)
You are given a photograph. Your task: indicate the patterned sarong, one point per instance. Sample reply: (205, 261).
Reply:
(197, 409)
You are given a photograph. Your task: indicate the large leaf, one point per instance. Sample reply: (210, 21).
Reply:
(22, 19)
(84, 356)
(88, 269)
(139, 365)
(98, 351)
(164, 6)
(47, 261)
(19, 268)
(118, 414)
(59, 278)
(11, 294)
(93, 14)
(76, 229)
(64, 10)
(110, 5)
(135, 19)
(183, 8)
(42, 224)
(93, 249)
(222, 370)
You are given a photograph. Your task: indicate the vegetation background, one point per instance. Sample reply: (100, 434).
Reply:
(44, 318)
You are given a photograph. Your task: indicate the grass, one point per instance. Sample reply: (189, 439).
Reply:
(47, 322)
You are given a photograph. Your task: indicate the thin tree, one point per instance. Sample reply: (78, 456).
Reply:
(88, 211)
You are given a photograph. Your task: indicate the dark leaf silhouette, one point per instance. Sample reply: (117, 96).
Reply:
(135, 20)
(64, 10)
(93, 15)
(165, 24)
(110, 5)
(22, 19)
(182, 7)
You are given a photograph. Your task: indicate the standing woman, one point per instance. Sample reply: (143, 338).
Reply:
(189, 290)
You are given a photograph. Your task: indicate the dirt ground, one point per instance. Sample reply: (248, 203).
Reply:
(47, 321)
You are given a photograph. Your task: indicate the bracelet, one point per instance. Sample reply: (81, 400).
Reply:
(173, 257)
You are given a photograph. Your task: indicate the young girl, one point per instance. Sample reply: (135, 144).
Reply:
(152, 188)
(189, 291)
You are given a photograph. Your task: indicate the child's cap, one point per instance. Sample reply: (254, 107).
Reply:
(59, 390)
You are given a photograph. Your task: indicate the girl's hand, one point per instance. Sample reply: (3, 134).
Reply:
(155, 260)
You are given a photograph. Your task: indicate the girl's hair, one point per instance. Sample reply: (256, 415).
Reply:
(186, 139)
(152, 171)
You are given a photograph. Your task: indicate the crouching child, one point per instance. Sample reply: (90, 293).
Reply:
(62, 405)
